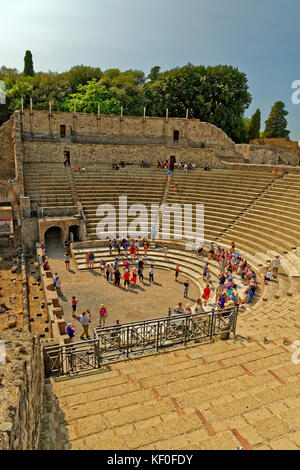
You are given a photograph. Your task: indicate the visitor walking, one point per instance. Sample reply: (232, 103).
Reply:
(186, 289)
(126, 279)
(74, 306)
(177, 271)
(165, 252)
(58, 286)
(151, 273)
(206, 294)
(67, 262)
(85, 322)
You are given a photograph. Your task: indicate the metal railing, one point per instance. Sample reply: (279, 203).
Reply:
(123, 342)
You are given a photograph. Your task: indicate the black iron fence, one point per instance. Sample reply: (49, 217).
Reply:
(123, 342)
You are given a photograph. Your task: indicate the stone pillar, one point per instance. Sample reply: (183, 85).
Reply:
(50, 117)
(121, 121)
(99, 120)
(25, 207)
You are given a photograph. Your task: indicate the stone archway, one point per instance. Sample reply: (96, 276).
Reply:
(54, 233)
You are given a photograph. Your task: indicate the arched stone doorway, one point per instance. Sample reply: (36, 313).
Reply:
(54, 241)
(74, 233)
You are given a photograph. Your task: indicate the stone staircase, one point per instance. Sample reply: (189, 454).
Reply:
(216, 396)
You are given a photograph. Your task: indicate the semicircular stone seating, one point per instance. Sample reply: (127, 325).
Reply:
(191, 266)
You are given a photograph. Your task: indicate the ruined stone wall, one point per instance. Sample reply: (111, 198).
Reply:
(280, 142)
(261, 154)
(7, 160)
(39, 122)
(21, 385)
(45, 152)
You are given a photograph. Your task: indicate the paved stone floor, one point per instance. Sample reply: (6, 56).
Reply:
(140, 303)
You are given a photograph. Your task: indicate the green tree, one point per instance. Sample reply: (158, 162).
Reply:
(276, 124)
(50, 87)
(218, 95)
(22, 88)
(254, 126)
(154, 73)
(81, 75)
(126, 87)
(28, 64)
(88, 97)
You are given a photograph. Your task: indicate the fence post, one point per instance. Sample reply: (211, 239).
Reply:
(157, 336)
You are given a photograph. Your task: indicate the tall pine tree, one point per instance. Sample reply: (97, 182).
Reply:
(276, 124)
(254, 126)
(28, 64)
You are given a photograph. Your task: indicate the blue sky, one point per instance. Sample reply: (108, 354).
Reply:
(260, 37)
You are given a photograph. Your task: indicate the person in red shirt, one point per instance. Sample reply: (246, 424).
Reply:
(127, 279)
(74, 305)
(206, 294)
(132, 251)
(145, 249)
(133, 279)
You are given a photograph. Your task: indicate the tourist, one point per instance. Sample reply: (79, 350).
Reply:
(140, 273)
(211, 251)
(54, 277)
(165, 252)
(276, 264)
(126, 279)
(199, 307)
(107, 272)
(177, 271)
(67, 262)
(92, 261)
(115, 241)
(76, 168)
(102, 267)
(205, 271)
(137, 248)
(87, 260)
(222, 301)
(117, 277)
(169, 174)
(58, 286)
(175, 188)
(151, 273)
(85, 321)
(70, 330)
(74, 305)
(133, 279)
(178, 310)
(82, 169)
(43, 248)
(145, 249)
(103, 315)
(111, 272)
(206, 294)
(185, 169)
(46, 266)
(186, 289)
(222, 279)
(110, 247)
(132, 252)
(188, 310)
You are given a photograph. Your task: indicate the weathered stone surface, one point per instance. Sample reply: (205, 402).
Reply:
(21, 386)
